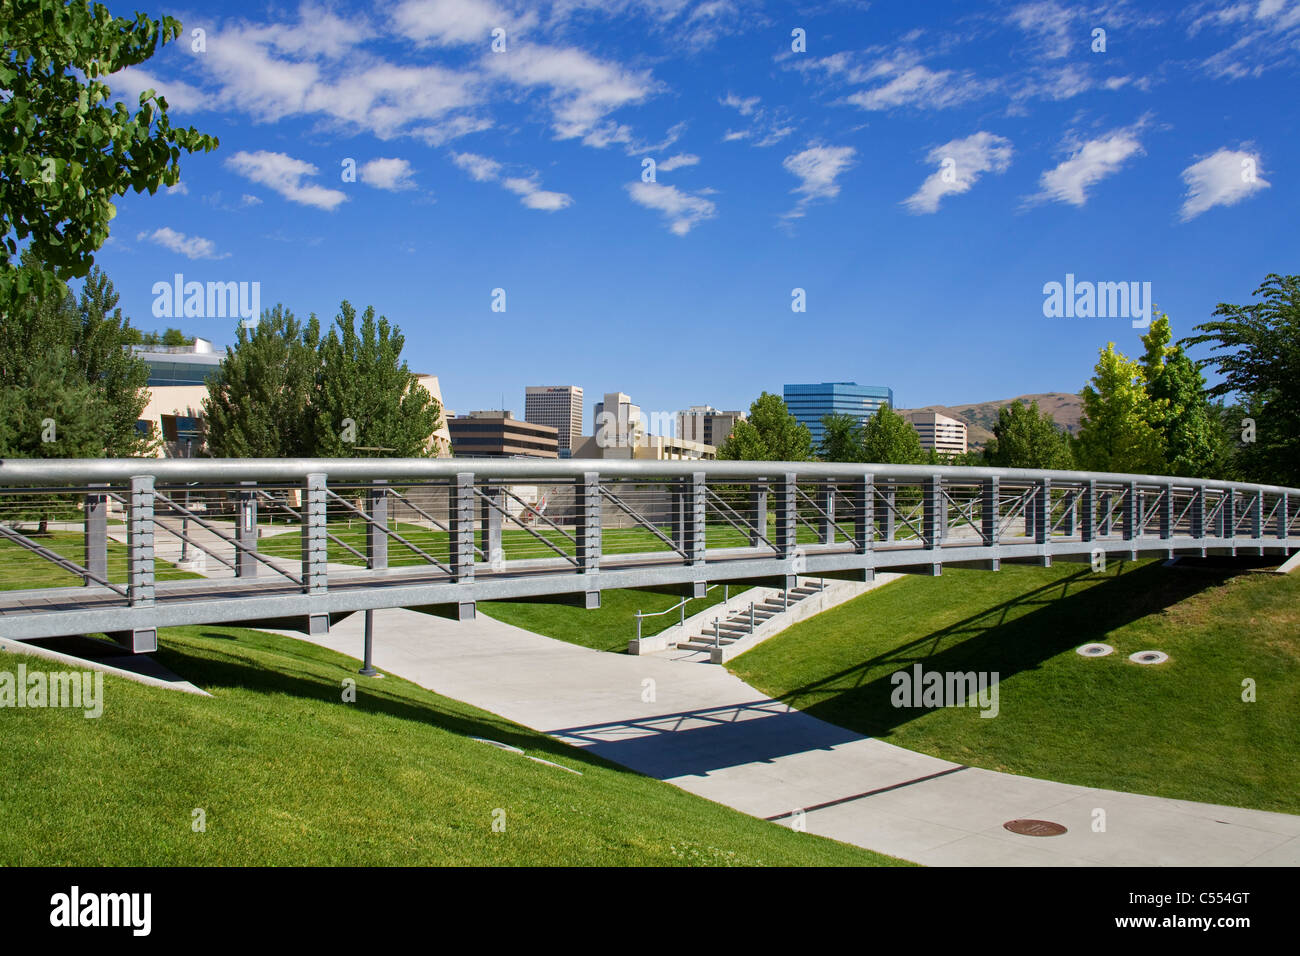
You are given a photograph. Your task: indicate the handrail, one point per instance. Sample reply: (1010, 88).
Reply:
(680, 604)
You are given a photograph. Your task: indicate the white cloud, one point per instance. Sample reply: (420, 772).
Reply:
(817, 168)
(1048, 21)
(961, 162)
(917, 86)
(391, 174)
(767, 127)
(745, 107)
(583, 90)
(1222, 179)
(455, 22)
(683, 210)
(192, 247)
(285, 175)
(677, 162)
(1087, 165)
(480, 168)
(528, 188)
(128, 84)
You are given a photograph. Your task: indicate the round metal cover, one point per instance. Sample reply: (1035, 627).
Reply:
(1037, 828)
(1149, 657)
(1094, 650)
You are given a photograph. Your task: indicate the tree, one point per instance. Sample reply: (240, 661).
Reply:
(259, 402)
(68, 387)
(841, 438)
(1116, 433)
(1258, 346)
(889, 438)
(1189, 426)
(770, 434)
(1024, 437)
(363, 379)
(69, 151)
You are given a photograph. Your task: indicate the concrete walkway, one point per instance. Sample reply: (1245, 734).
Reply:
(709, 732)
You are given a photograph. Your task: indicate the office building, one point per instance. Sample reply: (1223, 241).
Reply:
(945, 435)
(617, 423)
(559, 406)
(498, 434)
(809, 404)
(704, 423)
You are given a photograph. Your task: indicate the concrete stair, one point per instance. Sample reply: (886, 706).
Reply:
(737, 625)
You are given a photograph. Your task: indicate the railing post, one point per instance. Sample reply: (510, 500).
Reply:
(695, 510)
(1228, 517)
(246, 531)
(932, 511)
(490, 522)
(462, 528)
(1167, 512)
(989, 510)
(315, 546)
(786, 522)
(96, 535)
(864, 502)
(1283, 517)
(377, 509)
(1087, 509)
(758, 496)
(140, 543)
(891, 503)
(1257, 522)
(588, 525)
(1128, 514)
(826, 502)
(1043, 512)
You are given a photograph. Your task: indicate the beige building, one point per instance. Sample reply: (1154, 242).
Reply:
(945, 435)
(647, 448)
(704, 423)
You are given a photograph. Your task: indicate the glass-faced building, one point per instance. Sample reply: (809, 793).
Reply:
(810, 403)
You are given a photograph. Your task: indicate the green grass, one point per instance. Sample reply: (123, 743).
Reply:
(289, 774)
(607, 628)
(19, 568)
(1180, 729)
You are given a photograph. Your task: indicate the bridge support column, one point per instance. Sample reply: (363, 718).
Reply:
(1087, 509)
(588, 532)
(932, 510)
(246, 532)
(96, 535)
(758, 497)
(1043, 519)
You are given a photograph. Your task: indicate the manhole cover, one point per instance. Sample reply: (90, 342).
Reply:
(1149, 657)
(1095, 650)
(1037, 828)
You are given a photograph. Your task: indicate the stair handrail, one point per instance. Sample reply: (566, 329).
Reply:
(680, 604)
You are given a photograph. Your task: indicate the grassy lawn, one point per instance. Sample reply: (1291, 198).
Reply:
(1179, 729)
(19, 568)
(289, 774)
(608, 628)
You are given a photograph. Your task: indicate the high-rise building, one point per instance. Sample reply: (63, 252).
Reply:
(704, 423)
(559, 406)
(809, 404)
(945, 435)
(498, 434)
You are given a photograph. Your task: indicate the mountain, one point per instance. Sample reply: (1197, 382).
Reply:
(980, 417)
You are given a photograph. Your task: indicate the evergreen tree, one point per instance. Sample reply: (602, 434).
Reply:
(259, 402)
(364, 379)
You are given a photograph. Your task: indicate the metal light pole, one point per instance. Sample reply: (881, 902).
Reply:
(367, 669)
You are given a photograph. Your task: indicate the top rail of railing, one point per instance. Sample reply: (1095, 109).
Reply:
(17, 472)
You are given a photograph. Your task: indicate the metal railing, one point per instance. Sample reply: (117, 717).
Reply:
(97, 545)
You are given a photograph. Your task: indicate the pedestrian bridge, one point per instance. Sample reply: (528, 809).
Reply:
(126, 546)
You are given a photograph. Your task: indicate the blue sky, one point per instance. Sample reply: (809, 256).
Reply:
(921, 170)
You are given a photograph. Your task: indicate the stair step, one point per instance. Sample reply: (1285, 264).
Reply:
(701, 645)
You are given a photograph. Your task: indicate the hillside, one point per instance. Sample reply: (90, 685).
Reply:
(980, 417)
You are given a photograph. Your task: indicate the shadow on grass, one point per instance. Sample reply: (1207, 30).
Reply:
(1079, 609)
(287, 674)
